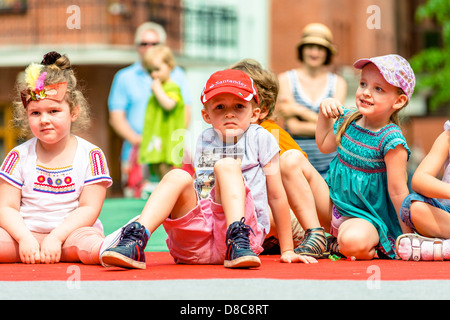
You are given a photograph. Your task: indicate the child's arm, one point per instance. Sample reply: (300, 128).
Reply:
(164, 100)
(89, 207)
(425, 179)
(280, 209)
(12, 222)
(397, 179)
(330, 110)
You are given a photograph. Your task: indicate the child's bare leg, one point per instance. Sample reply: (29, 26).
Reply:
(307, 191)
(308, 197)
(174, 197)
(430, 221)
(433, 241)
(230, 189)
(230, 193)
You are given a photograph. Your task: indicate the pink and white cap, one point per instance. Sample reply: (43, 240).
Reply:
(395, 69)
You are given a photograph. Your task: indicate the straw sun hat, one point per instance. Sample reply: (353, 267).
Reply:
(317, 33)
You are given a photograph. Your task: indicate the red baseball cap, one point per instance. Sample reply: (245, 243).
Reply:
(231, 81)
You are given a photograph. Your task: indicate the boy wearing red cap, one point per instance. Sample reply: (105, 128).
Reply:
(223, 216)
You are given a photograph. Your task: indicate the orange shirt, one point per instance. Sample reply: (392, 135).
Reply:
(284, 139)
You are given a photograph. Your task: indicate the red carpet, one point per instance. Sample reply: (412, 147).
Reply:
(160, 266)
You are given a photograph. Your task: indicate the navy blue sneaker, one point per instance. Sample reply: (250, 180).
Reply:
(239, 253)
(129, 252)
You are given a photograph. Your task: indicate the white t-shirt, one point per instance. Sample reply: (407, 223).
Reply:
(255, 148)
(49, 195)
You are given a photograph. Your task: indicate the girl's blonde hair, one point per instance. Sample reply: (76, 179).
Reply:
(356, 115)
(164, 51)
(58, 69)
(266, 83)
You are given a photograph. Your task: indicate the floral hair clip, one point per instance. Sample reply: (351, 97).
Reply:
(36, 89)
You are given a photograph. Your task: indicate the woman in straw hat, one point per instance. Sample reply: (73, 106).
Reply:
(303, 89)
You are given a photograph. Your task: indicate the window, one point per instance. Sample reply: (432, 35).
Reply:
(198, 30)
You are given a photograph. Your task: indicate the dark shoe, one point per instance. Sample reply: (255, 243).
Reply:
(112, 240)
(314, 244)
(129, 252)
(239, 254)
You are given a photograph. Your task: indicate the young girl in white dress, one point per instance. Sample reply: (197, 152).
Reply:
(52, 186)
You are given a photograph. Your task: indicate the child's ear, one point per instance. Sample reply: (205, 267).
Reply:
(205, 116)
(75, 113)
(401, 101)
(263, 114)
(255, 115)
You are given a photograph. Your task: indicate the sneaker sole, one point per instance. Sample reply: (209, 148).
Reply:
(114, 259)
(243, 262)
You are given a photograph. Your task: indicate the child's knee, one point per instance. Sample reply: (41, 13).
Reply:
(417, 208)
(83, 245)
(355, 243)
(179, 176)
(229, 165)
(290, 161)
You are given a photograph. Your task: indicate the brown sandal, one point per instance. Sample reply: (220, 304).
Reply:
(314, 244)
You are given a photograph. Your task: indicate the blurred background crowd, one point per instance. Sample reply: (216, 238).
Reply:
(100, 38)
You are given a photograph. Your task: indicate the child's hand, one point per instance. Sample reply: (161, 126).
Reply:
(331, 108)
(50, 249)
(29, 250)
(290, 256)
(156, 84)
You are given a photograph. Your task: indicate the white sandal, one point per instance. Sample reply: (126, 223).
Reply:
(416, 243)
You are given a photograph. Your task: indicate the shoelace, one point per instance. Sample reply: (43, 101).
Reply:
(240, 235)
(130, 235)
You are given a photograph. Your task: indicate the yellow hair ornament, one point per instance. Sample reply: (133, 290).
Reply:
(32, 73)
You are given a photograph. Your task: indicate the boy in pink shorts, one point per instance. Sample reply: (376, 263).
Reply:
(222, 216)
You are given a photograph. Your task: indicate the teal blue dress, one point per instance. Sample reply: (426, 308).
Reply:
(358, 181)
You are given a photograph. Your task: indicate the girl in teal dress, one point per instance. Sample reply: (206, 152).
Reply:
(359, 201)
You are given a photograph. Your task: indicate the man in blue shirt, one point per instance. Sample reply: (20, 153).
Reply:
(131, 90)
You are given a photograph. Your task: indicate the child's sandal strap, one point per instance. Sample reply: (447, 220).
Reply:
(314, 243)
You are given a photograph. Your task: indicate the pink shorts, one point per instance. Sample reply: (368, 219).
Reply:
(199, 236)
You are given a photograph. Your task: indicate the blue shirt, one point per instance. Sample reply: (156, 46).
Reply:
(130, 92)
